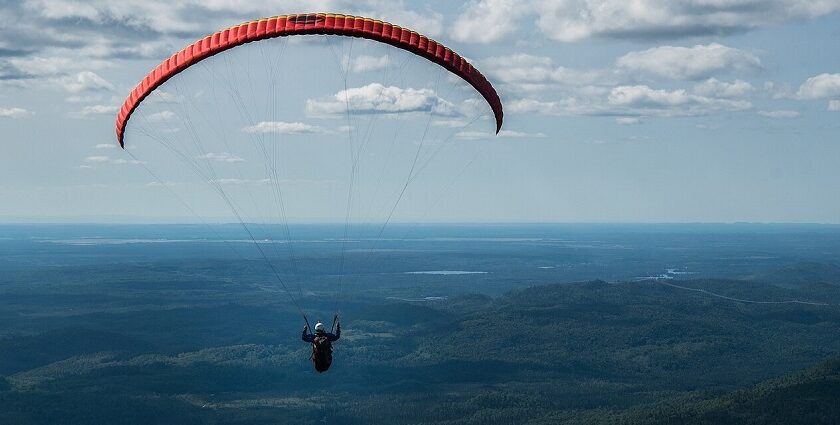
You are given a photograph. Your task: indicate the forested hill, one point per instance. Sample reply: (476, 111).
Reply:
(808, 397)
(197, 350)
(802, 275)
(648, 333)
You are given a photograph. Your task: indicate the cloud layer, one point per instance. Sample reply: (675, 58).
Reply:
(574, 20)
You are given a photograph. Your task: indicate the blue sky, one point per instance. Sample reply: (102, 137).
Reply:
(616, 111)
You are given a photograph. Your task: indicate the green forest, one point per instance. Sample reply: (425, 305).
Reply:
(591, 352)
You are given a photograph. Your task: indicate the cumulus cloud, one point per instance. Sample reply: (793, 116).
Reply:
(280, 127)
(628, 120)
(778, 90)
(54, 71)
(161, 116)
(834, 105)
(127, 161)
(70, 74)
(97, 158)
(573, 20)
(479, 135)
(31, 66)
(365, 63)
(562, 107)
(780, 114)
(105, 146)
(163, 96)
(86, 98)
(377, 98)
(84, 81)
(820, 86)
(716, 88)
(450, 123)
(94, 110)
(670, 102)
(688, 63)
(528, 72)
(103, 159)
(222, 157)
(13, 113)
(486, 21)
(628, 101)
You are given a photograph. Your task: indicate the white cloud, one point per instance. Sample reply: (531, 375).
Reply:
(573, 20)
(365, 63)
(84, 99)
(627, 101)
(716, 88)
(127, 161)
(671, 102)
(105, 146)
(84, 81)
(161, 116)
(40, 66)
(520, 135)
(450, 123)
(281, 127)
(834, 105)
(155, 15)
(781, 114)
(478, 135)
(94, 110)
(628, 120)
(485, 21)
(13, 113)
(565, 106)
(67, 69)
(688, 63)
(377, 98)
(222, 157)
(778, 91)
(820, 86)
(103, 159)
(64, 9)
(162, 96)
(529, 106)
(534, 73)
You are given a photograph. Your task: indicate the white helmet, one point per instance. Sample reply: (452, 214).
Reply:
(319, 327)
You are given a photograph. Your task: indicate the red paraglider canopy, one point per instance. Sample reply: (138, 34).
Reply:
(310, 23)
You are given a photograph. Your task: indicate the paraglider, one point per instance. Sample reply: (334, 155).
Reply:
(311, 23)
(321, 342)
(211, 163)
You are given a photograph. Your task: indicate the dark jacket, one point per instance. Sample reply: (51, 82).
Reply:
(307, 337)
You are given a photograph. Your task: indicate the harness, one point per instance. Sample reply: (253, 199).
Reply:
(321, 352)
